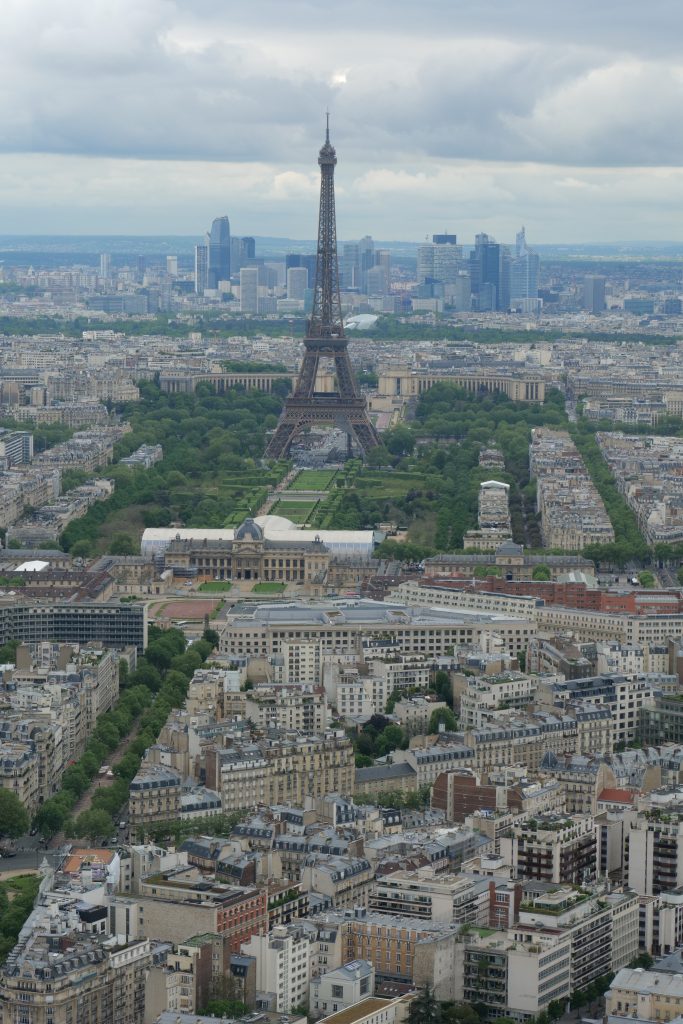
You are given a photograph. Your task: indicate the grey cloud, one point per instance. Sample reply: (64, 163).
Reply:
(580, 84)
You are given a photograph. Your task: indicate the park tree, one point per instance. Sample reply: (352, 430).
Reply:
(212, 637)
(541, 573)
(445, 716)
(122, 544)
(14, 819)
(425, 1008)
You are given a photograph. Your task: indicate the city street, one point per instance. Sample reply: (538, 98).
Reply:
(30, 855)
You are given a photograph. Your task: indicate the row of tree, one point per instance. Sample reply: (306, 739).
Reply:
(158, 684)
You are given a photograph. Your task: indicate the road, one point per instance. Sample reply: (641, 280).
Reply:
(30, 855)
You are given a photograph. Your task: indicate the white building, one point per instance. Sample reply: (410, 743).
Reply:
(343, 987)
(282, 967)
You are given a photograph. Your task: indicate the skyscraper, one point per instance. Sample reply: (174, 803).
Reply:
(249, 284)
(524, 275)
(297, 282)
(594, 293)
(219, 252)
(105, 266)
(490, 273)
(439, 261)
(201, 268)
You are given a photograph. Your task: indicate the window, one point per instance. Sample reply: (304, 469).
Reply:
(337, 991)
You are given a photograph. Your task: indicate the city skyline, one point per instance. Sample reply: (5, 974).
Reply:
(157, 121)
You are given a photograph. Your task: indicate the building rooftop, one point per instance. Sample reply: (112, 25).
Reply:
(359, 1011)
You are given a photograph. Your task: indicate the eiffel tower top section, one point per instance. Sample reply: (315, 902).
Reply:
(325, 323)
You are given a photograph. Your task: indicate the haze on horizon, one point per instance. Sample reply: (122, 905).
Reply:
(445, 116)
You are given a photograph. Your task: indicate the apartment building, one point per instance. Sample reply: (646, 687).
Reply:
(513, 975)
(429, 762)
(514, 738)
(179, 980)
(603, 930)
(47, 982)
(415, 713)
(653, 852)
(281, 768)
(359, 685)
(301, 706)
(154, 795)
(346, 881)
(461, 793)
(625, 696)
(19, 772)
(402, 950)
(486, 694)
(342, 987)
(645, 995)
(553, 848)
(282, 967)
(178, 901)
(432, 897)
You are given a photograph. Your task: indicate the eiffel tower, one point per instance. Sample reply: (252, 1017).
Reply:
(344, 408)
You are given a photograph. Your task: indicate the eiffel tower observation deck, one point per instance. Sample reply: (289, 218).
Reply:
(345, 407)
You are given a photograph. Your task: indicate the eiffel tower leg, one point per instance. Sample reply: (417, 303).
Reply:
(281, 441)
(366, 435)
(345, 379)
(305, 384)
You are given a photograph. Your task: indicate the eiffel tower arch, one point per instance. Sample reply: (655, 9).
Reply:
(344, 408)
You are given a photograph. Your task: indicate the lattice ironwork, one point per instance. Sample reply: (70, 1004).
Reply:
(344, 408)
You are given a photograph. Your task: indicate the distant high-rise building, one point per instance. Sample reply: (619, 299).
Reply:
(297, 282)
(490, 274)
(356, 259)
(594, 293)
(379, 276)
(463, 292)
(201, 268)
(219, 252)
(242, 250)
(439, 261)
(249, 282)
(105, 265)
(140, 268)
(172, 266)
(350, 266)
(307, 260)
(523, 274)
(425, 263)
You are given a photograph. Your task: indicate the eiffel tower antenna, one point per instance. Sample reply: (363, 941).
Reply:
(344, 408)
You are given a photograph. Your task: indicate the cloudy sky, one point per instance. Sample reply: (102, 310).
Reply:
(153, 116)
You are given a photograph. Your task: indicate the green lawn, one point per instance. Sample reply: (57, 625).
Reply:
(313, 480)
(215, 586)
(268, 587)
(297, 511)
